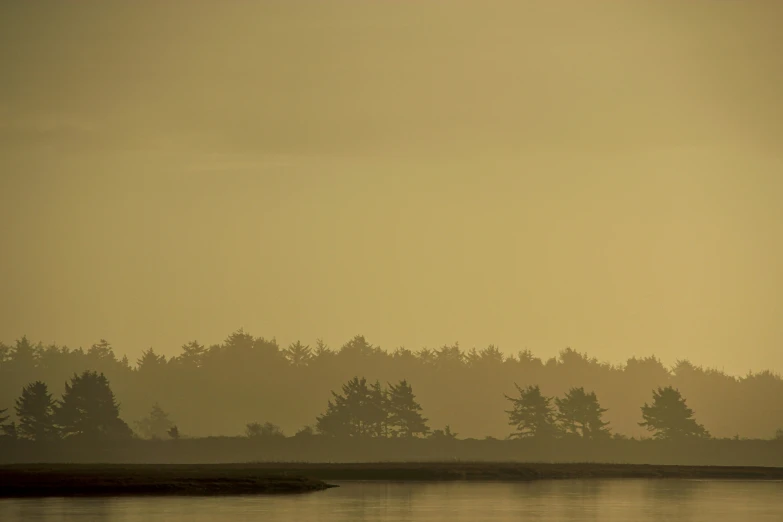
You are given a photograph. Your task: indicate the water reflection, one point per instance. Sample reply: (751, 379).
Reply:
(577, 501)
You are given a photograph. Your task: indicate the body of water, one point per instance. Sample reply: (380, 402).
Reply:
(566, 500)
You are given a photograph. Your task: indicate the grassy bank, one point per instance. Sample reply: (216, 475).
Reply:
(265, 478)
(220, 450)
(112, 480)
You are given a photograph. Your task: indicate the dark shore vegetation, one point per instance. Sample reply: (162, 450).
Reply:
(43, 480)
(111, 480)
(320, 449)
(509, 471)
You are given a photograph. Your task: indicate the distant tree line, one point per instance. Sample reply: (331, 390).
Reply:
(214, 390)
(89, 410)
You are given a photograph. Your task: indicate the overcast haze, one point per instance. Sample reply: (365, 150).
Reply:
(601, 175)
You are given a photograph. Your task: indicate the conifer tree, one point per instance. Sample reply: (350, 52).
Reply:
(35, 411)
(405, 416)
(532, 414)
(580, 414)
(669, 417)
(88, 409)
(156, 425)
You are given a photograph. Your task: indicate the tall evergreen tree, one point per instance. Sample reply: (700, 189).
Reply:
(580, 414)
(405, 416)
(25, 353)
(298, 354)
(102, 351)
(35, 411)
(669, 417)
(192, 355)
(89, 409)
(156, 425)
(532, 414)
(150, 362)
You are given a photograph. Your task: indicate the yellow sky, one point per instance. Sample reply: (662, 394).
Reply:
(601, 175)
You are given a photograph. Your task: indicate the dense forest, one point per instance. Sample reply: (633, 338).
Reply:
(250, 384)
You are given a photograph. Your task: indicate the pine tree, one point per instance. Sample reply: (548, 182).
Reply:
(532, 414)
(192, 355)
(88, 409)
(580, 414)
(670, 418)
(299, 355)
(150, 361)
(156, 425)
(35, 410)
(405, 416)
(357, 412)
(102, 351)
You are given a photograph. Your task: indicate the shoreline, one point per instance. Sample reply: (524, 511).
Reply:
(69, 480)
(63, 480)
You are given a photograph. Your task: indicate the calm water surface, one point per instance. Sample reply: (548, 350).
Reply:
(629, 500)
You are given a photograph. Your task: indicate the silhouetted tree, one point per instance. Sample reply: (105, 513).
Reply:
(173, 433)
(321, 349)
(358, 412)
(35, 411)
(669, 417)
(150, 362)
(532, 414)
(580, 414)
(299, 355)
(101, 352)
(358, 347)
(405, 416)
(88, 409)
(156, 425)
(24, 354)
(265, 430)
(192, 355)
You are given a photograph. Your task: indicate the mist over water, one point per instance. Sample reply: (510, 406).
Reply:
(546, 501)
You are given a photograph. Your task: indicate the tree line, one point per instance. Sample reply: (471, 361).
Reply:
(215, 390)
(88, 409)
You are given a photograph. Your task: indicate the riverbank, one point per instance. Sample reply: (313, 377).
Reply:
(315, 448)
(511, 471)
(114, 480)
(43, 480)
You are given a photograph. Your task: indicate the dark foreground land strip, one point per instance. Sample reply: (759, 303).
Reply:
(63, 480)
(41, 480)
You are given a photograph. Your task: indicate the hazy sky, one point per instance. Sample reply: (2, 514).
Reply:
(601, 175)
